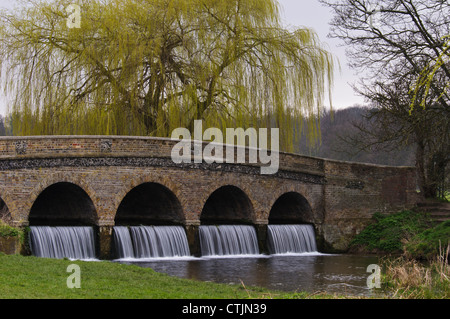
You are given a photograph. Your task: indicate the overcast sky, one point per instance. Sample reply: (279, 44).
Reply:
(297, 13)
(312, 14)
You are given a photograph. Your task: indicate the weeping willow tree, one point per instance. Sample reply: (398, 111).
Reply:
(146, 67)
(435, 71)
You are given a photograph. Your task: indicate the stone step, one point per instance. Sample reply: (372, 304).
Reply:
(440, 220)
(435, 209)
(439, 205)
(438, 211)
(442, 217)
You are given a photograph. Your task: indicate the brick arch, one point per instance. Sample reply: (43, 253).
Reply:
(128, 187)
(63, 178)
(9, 201)
(283, 190)
(291, 207)
(226, 180)
(221, 197)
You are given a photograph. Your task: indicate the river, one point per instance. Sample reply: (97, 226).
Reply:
(312, 272)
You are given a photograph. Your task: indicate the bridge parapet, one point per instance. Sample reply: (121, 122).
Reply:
(32, 147)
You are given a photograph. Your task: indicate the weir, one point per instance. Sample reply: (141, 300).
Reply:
(138, 242)
(225, 240)
(150, 242)
(284, 239)
(123, 245)
(62, 242)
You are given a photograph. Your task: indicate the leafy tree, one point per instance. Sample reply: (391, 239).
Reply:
(145, 67)
(391, 43)
(430, 74)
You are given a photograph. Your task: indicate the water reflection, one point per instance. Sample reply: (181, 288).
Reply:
(340, 274)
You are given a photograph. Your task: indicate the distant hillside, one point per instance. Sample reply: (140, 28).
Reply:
(339, 127)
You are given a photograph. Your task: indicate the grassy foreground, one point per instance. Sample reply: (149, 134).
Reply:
(28, 277)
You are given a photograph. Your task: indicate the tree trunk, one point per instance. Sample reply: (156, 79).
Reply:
(424, 170)
(420, 165)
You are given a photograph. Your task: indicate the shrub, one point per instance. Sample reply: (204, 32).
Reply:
(9, 231)
(427, 244)
(409, 278)
(388, 233)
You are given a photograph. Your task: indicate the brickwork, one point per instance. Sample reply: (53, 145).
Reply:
(343, 196)
(354, 192)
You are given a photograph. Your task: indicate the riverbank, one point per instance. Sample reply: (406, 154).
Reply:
(410, 233)
(28, 277)
(416, 250)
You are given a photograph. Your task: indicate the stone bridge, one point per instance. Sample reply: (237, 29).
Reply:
(105, 181)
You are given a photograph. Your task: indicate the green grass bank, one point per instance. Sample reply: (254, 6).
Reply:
(410, 233)
(28, 277)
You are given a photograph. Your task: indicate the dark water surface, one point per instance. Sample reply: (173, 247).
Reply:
(340, 274)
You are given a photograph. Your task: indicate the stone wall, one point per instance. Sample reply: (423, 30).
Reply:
(343, 196)
(10, 245)
(354, 192)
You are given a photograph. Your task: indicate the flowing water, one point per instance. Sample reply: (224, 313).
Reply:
(230, 254)
(310, 272)
(160, 241)
(122, 242)
(284, 239)
(225, 240)
(150, 241)
(61, 242)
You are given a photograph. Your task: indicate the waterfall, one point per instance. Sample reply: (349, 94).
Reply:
(291, 239)
(150, 241)
(60, 242)
(228, 240)
(122, 242)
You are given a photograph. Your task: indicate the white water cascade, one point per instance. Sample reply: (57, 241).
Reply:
(61, 242)
(123, 243)
(150, 241)
(228, 240)
(284, 239)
